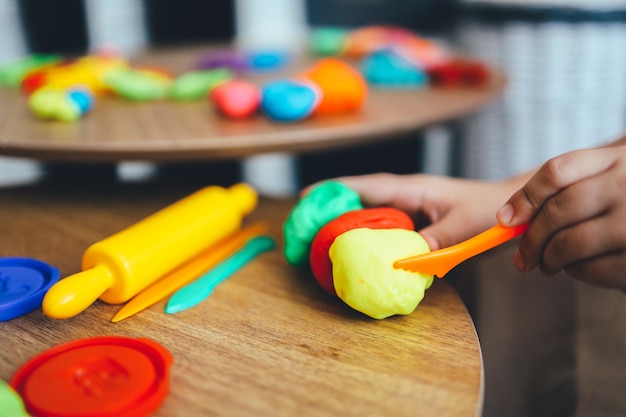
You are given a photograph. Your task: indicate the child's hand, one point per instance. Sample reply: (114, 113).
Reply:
(576, 203)
(445, 210)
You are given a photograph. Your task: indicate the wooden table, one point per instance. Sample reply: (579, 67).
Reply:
(119, 130)
(268, 342)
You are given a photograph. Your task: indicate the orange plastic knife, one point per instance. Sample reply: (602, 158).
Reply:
(441, 261)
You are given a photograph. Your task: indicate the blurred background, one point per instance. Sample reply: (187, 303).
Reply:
(565, 61)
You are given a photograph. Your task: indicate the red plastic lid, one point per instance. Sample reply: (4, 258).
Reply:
(96, 377)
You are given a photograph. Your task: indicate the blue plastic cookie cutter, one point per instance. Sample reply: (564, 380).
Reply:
(23, 284)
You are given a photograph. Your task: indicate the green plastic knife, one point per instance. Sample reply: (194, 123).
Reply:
(196, 292)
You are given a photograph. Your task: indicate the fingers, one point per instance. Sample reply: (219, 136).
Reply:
(606, 271)
(555, 175)
(400, 191)
(575, 205)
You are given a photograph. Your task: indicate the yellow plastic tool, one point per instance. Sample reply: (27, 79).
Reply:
(120, 266)
(441, 261)
(189, 271)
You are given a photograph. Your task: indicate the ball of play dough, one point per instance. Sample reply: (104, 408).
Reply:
(289, 100)
(236, 99)
(364, 275)
(371, 218)
(195, 85)
(321, 204)
(387, 69)
(137, 84)
(54, 104)
(343, 88)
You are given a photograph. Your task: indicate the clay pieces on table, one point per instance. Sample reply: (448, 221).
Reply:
(343, 89)
(364, 276)
(236, 99)
(371, 218)
(195, 85)
(387, 69)
(65, 105)
(287, 100)
(322, 203)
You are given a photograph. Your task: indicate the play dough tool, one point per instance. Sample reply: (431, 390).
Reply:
(199, 290)
(189, 271)
(120, 266)
(441, 261)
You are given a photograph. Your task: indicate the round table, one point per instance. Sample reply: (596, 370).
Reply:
(118, 130)
(268, 341)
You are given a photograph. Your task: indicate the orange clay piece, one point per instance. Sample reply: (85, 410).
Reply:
(368, 39)
(441, 261)
(343, 88)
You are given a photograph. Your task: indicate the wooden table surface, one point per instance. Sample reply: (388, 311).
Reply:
(172, 131)
(268, 341)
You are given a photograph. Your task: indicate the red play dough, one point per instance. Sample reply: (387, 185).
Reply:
(372, 218)
(236, 99)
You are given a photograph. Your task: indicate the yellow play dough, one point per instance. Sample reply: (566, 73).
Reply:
(364, 275)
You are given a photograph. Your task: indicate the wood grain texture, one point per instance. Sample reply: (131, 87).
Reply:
(268, 341)
(172, 131)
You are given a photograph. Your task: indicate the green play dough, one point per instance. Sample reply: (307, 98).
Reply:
(364, 276)
(195, 85)
(10, 402)
(12, 74)
(328, 41)
(136, 85)
(53, 104)
(323, 203)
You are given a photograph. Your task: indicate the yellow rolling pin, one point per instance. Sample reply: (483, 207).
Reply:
(120, 266)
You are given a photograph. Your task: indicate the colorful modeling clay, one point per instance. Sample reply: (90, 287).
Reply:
(343, 88)
(195, 85)
(387, 69)
(364, 275)
(62, 105)
(321, 204)
(267, 60)
(120, 266)
(236, 99)
(371, 218)
(289, 100)
(109, 376)
(11, 403)
(138, 84)
(87, 71)
(365, 40)
(227, 59)
(459, 73)
(328, 41)
(11, 75)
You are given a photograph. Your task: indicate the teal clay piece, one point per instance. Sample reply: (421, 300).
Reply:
(11, 75)
(322, 204)
(137, 85)
(195, 85)
(11, 403)
(387, 69)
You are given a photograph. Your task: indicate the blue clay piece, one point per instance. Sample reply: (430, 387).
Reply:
(82, 98)
(267, 60)
(288, 101)
(387, 69)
